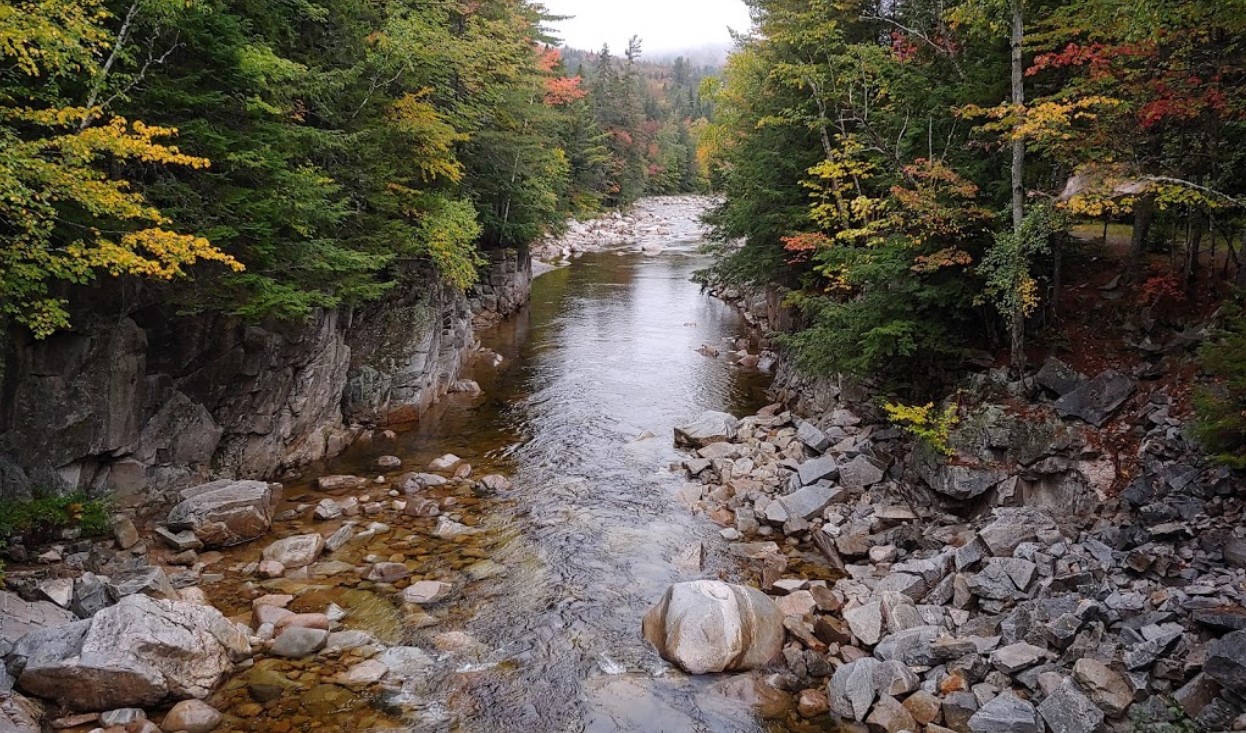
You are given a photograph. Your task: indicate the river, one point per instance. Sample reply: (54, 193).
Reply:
(579, 412)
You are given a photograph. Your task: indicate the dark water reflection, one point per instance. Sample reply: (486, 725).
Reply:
(605, 355)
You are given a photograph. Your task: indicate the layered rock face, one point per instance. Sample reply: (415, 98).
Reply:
(137, 397)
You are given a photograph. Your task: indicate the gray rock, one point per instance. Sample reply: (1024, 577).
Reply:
(696, 466)
(1067, 710)
(958, 708)
(995, 584)
(1002, 536)
(776, 513)
(1235, 552)
(340, 537)
(708, 626)
(970, 554)
(896, 679)
(1006, 713)
(427, 591)
(1020, 571)
(150, 581)
(297, 642)
(136, 653)
(1096, 401)
(912, 586)
(812, 437)
(92, 594)
(866, 622)
(388, 572)
(853, 688)
(959, 482)
(808, 502)
(58, 590)
(1226, 662)
(811, 472)
(181, 541)
(1058, 378)
(719, 451)
(860, 473)
(1017, 657)
(710, 427)
(913, 647)
(297, 551)
(224, 513)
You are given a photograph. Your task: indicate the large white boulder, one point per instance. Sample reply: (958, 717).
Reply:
(134, 654)
(709, 626)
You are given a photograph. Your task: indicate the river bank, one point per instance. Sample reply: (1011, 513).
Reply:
(1074, 567)
(379, 590)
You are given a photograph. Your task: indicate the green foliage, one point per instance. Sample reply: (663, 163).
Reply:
(923, 422)
(323, 146)
(39, 519)
(1221, 407)
(1174, 720)
(1006, 268)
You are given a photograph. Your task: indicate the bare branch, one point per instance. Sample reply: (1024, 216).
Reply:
(98, 86)
(942, 50)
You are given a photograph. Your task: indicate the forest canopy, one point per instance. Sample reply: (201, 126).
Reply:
(912, 170)
(273, 158)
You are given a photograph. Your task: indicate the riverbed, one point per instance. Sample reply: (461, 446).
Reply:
(580, 393)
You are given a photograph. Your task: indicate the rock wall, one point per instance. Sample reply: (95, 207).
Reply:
(137, 401)
(815, 397)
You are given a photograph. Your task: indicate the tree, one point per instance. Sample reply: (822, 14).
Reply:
(65, 214)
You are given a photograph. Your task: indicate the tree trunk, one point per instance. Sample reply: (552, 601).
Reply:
(1018, 100)
(1144, 214)
(1057, 273)
(1192, 253)
(1241, 266)
(1017, 325)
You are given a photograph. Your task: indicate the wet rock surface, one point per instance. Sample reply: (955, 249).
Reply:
(707, 626)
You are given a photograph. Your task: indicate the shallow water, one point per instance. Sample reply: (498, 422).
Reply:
(552, 591)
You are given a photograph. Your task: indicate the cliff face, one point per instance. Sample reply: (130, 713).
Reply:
(137, 401)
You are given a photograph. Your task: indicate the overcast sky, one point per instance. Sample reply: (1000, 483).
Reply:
(663, 25)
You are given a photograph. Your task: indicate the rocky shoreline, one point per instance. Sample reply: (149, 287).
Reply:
(644, 228)
(1028, 584)
(1074, 567)
(133, 633)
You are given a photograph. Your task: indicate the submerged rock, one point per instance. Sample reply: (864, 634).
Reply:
(297, 551)
(708, 626)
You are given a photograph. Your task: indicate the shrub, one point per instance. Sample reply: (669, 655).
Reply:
(1220, 407)
(924, 423)
(39, 519)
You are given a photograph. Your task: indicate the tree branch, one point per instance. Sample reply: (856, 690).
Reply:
(98, 86)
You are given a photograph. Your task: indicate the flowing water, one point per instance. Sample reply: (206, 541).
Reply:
(551, 591)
